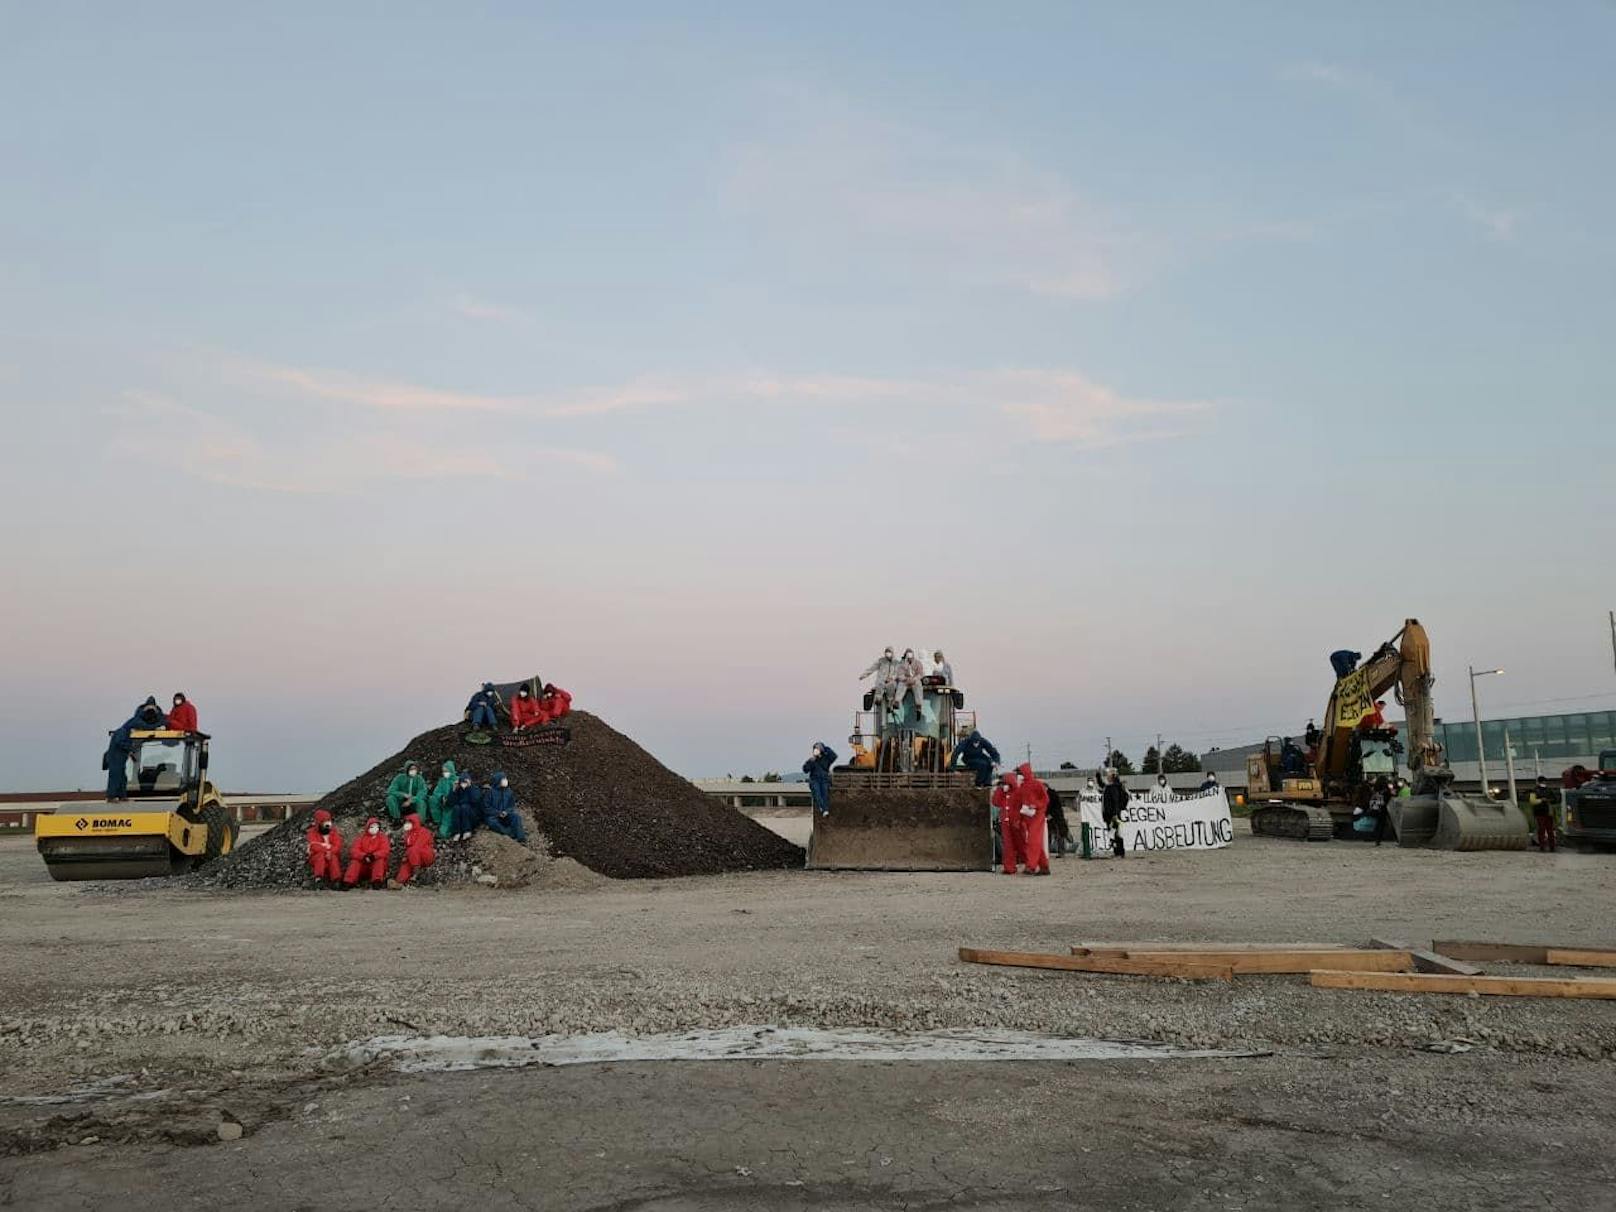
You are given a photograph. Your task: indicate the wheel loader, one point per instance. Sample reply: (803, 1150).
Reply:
(1314, 800)
(174, 820)
(897, 806)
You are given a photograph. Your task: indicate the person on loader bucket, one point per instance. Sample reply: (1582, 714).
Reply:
(555, 702)
(183, 717)
(525, 711)
(499, 809)
(419, 851)
(438, 814)
(406, 793)
(325, 850)
(482, 710)
(977, 754)
(817, 768)
(367, 857)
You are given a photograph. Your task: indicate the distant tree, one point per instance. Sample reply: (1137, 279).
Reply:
(1178, 760)
(1068, 765)
(1119, 762)
(1151, 762)
(773, 776)
(746, 778)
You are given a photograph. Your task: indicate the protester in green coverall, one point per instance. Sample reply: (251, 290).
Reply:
(406, 794)
(438, 815)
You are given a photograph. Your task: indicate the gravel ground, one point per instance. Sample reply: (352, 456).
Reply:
(239, 997)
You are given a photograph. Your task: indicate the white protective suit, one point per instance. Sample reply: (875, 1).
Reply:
(885, 669)
(909, 674)
(1161, 791)
(943, 669)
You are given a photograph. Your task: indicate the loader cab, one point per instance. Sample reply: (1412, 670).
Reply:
(166, 765)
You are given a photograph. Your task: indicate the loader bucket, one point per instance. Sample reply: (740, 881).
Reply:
(875, 827)
(1456, 822)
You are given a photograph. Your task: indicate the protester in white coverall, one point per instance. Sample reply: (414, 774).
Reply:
(942, 669)
(910, 673)
(1161, 791)
(885, 669)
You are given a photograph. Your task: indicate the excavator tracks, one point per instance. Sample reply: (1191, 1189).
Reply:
(1299, 822)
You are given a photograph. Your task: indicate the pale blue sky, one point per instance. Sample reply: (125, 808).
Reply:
(350, 354)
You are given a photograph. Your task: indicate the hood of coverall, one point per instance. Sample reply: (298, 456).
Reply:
(449, 770)
(369, 821)
(413, 820)
(321, 817)
(1025, 771)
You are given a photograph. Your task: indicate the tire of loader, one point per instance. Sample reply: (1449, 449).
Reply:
(222, 831)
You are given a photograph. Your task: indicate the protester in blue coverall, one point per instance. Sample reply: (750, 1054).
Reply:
(977, 754)
(817, 768)
(465, 808)
(499, 809)
(480, 710)
(120, 744)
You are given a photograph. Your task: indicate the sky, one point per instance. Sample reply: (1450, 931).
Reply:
(1137, 356)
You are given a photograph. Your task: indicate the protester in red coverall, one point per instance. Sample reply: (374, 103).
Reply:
(1031, 793)
(419, 852)
(525, 710)
(325, 849)
(556, 703)
(183, 717)
(1012, 826)
(367, 857)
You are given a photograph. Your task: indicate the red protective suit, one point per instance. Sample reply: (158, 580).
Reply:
(526, 712)
(1012, 825)
(325, 849)
(183, 717)
(367, 857)
(556, 703)
(419, 850)
(1031, 793)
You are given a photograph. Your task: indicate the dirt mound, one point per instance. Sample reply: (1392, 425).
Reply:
(601, 800)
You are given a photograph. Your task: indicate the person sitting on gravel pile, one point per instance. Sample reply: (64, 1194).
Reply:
(368, 856)
(556, 703)
(977, 754)
(526, 711)
(419, 851)
(325, 850)
(1032, 802)
(183, 717)
(482, 712)
(817, 768)
(499, 809)
(465, 808)
(406, 793)
(438, 815)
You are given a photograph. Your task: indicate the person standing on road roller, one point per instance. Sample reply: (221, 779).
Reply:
(406, 793)
(325, 850)
(465, 808)
(367, 857)
(1032, 803)
(438, 815)
(525, 711)
(482, 710)
(419, 851)
(1113, 802)
(555, 702)
(499, 809)
(1012, 827)
(183, 717)
(817, 768)
(977, 754)
(149, 716)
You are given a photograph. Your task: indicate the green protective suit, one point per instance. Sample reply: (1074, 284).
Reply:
(437, 801)
(404, 786)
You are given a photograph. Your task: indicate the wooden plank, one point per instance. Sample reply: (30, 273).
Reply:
(1494, 986)
(1184, 969)
(1253, 963)
(1572, 957)
(1512, 953)
(1426, 961)
(1120, 950)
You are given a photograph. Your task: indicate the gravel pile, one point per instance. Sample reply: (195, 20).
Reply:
(601, 800)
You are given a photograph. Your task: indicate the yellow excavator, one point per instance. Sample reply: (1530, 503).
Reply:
(1312, 796)
(175, 819)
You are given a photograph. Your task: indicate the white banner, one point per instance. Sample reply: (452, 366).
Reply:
(1151, 822)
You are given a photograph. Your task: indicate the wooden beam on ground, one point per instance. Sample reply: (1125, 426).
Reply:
(1182, 969)
(1509, 953)
(1254, 963)
(1572, 957)
(1426, 961)
(1493, 986)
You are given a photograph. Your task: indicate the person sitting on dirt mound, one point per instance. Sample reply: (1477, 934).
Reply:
(465, 808)
(482, 712)
(556, 702)
(499, 809)
(419, 851)
(325, 850)
(817, 768)
(367, 857)
(438, 815)
(406, 793)
(183, 717)
(526, 711)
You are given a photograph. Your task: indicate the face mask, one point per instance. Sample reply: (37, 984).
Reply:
(325, 827)
(504, 782)
(408, 826)
(413, 772)
(374, 830)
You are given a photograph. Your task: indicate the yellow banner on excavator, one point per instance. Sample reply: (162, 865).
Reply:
(1352, 699)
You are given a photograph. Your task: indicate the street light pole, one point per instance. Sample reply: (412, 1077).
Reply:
(1475, 714)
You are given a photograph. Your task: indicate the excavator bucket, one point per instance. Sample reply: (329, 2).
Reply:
(1455, 822)
(903, 822)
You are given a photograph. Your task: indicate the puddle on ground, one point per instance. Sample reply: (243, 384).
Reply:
(453, 1053)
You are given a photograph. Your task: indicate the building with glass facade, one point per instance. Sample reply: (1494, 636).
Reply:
(1550, 739)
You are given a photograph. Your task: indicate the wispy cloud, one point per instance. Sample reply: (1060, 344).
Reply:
(377, 393)
(473, 308)
(1496, 223)
(1335, 76)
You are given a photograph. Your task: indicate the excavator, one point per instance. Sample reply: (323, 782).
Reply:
(1313, 799)
(175, 820)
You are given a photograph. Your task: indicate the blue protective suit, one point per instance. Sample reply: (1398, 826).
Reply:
(1344, 661)
(499, 810)
(817, 768)
(465, 809)
(977, 754)
(481, 709)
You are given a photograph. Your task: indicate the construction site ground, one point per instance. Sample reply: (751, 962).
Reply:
(136, 1021)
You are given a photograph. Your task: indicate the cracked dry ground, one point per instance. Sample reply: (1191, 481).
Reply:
(172, 1012)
